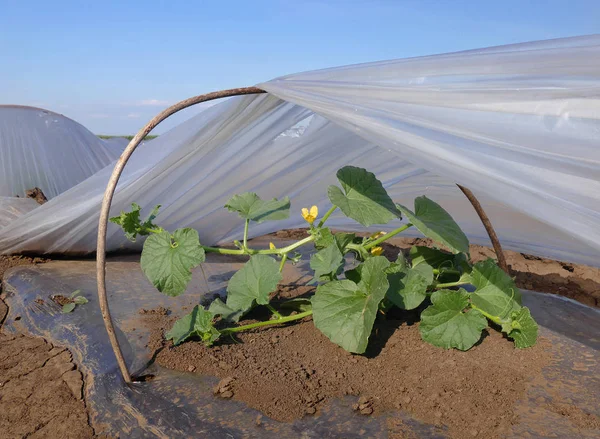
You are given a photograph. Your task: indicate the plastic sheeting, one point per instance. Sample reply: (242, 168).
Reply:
(116, 145)
(516, 124)
(182, 405)
(39, 148)
(12, 208)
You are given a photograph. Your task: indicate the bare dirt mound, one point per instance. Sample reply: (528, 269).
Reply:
(40, 391)
(290, 372)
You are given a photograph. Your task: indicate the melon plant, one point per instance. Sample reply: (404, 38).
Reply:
(355, 283)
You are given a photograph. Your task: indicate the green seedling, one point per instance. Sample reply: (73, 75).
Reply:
(75, 299)
(346, 301)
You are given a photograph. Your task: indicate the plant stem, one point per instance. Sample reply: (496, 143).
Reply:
(283, 259)
(267, 323)
(246, 234)
(249, 251)
(224, 251)
(289, 248)
(327, 215)
(446, 271)
(451, 284)
(274, 311)
(494, 319)
(387, 236)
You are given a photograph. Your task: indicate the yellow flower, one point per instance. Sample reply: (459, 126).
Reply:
(376, 251)
(377, 235)
(310, 216)
(272, 246)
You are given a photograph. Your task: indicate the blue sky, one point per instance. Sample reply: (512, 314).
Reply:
(112, 65)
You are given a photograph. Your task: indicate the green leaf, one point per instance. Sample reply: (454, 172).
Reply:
(431, 256)
(167, 259)
(496, 292)
(130, 222)
(345, 311)
(399, 266)
(197, 323)
(446, 323)
(327, 263)
(323, 237)
(364, 198)
(408, 287)
(343, 239)
(437, 224)
(80, 300)
(68, 307)
(250, 206)
(218, 308)
(524, 329)
(75, 293)
(253, 283)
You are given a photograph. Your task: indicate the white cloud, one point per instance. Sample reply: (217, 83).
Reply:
(133, 115)
(152, 103)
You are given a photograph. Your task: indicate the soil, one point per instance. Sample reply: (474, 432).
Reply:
(61, 300)
(37, 195)
(41, 391)
(304, 370)
(7, 262)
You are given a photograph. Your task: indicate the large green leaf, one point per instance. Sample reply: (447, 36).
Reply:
(446, 323)
(496, 292)
(197, 323)
(327, 263)
(364, 198)
(250, 206)
(345, 311)
(218, 308)
(524, 329)
(253, 283)
(431, 256)
(167, 259)
(408, 287)
(437, 224)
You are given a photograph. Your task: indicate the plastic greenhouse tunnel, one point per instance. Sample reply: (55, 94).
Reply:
(361, 251)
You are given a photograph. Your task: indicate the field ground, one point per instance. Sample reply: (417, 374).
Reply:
(41, 391)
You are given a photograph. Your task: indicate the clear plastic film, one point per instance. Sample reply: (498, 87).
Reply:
(39, 148)
(518, 125)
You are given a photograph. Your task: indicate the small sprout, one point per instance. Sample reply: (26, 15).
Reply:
(73, 300)
(376, 251)
(68, 307)
(310, 215)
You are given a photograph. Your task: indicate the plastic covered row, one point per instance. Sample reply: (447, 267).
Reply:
(518, 125)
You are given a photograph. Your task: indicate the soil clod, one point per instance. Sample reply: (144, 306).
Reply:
(37, 195)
